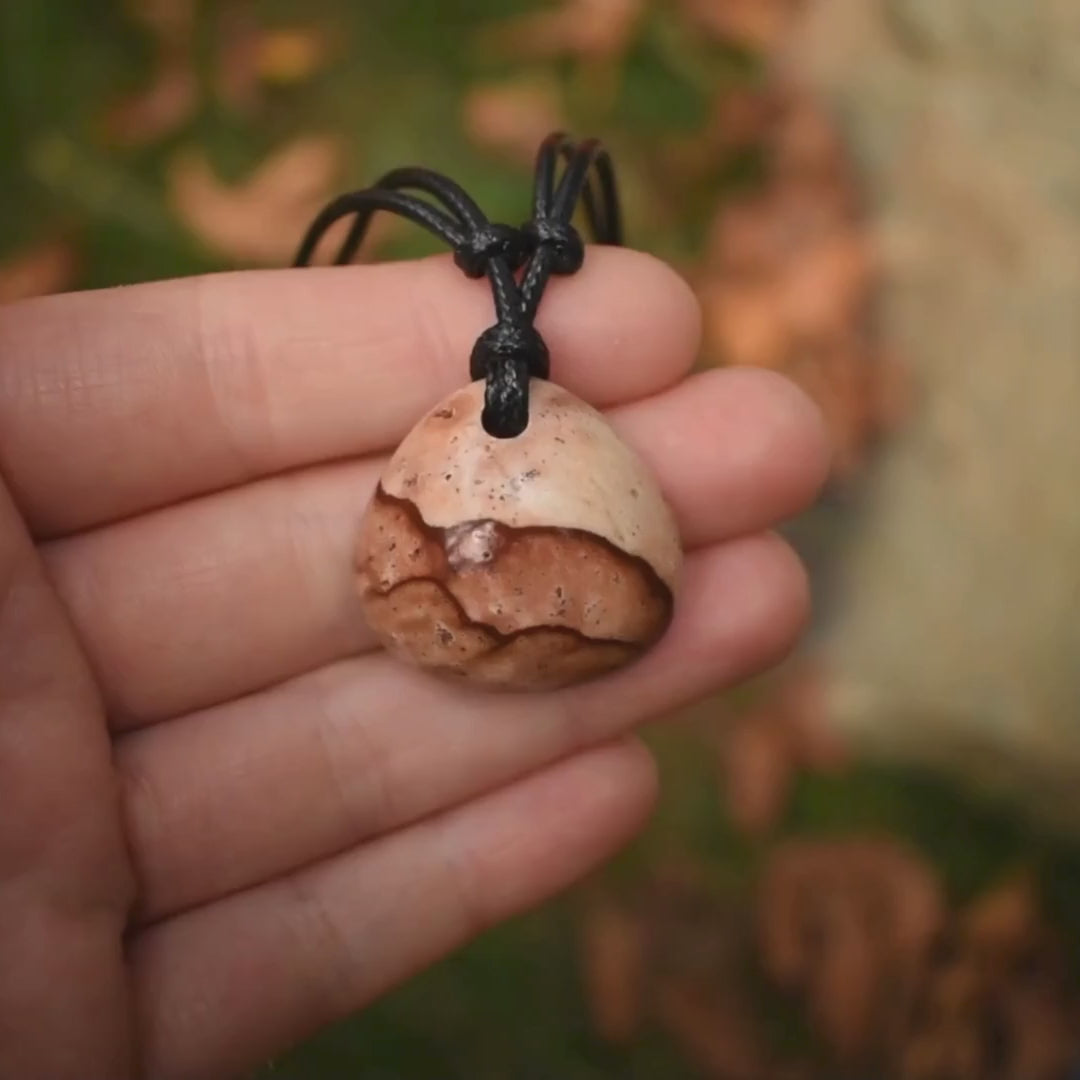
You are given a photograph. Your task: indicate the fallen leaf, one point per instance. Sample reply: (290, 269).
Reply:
(290, 55)
(760, 25)
(808, 212)
(757, 771)
(158, 110)
(695, 933)
(955, 1054)
(1045, 1040)
(170, 21)
(1004, 921)
(807, 142)
(743, 117)
(761, 233)
(788, 276)
(760, 752)
(996, 999)
(824, 288)
(848, 923)
(236, 65)
(744, 323)
(715, 1030)
(512, 118)
(251, 56)
(895, 392)
(838, 377)
(802, 702)
(747, 239)
(49, 267)
(846, 987)
(612, 963)
(172, 95)
(263, 218)
(589, 29)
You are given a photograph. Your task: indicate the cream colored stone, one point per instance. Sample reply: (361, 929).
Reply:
(567, 469)
(525, 563)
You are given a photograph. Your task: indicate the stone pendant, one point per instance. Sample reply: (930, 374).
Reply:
(527, 563)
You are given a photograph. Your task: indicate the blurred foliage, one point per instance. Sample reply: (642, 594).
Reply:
(392, 91)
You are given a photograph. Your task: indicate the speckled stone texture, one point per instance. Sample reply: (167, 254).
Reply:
(518, 564)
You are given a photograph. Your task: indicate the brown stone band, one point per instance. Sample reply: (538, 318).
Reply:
(531, 607)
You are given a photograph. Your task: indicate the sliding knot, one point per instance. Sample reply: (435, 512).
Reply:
(489, 242)
(561, 239)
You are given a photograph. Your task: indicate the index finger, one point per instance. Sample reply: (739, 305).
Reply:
(117, 401)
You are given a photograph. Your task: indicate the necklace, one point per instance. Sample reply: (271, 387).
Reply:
(513, 541)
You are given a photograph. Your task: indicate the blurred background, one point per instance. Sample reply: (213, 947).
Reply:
(865, 864)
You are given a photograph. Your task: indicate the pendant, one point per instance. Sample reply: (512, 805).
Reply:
(514, 541)
(528, 563)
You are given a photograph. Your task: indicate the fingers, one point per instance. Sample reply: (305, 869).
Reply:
(65, 882)
(365, 747)
(223, 987)
(736, 450)
(203, 602)
(117, 401)
(215, 598)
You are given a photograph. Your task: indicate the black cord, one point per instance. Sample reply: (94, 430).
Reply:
(511, 352)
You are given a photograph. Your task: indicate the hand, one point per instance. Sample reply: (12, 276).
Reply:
(227, 819)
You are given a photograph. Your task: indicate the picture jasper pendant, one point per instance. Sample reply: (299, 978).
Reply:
(513, 541)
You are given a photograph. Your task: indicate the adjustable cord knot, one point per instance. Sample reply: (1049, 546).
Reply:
(490, 241)
(517, 262)
(561, 239)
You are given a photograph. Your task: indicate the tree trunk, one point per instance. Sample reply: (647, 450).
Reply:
(956, 637)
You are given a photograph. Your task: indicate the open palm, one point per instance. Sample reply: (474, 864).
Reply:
(226, 818)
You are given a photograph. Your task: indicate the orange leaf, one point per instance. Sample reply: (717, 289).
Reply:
(612, 960)
(1005, 920)
(714, 1030)
(743, 116)
(758, 771)
(802, 701)
(161, 108)
(825, 286)
(290, 55)
(590, 29)
(744, 323)
(814, 893)
(512, 118)
(755, 24)
(846, 988)
(263, 218)
(50, 267)
(171, 21)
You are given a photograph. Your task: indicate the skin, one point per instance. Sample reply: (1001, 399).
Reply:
(227, 818)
